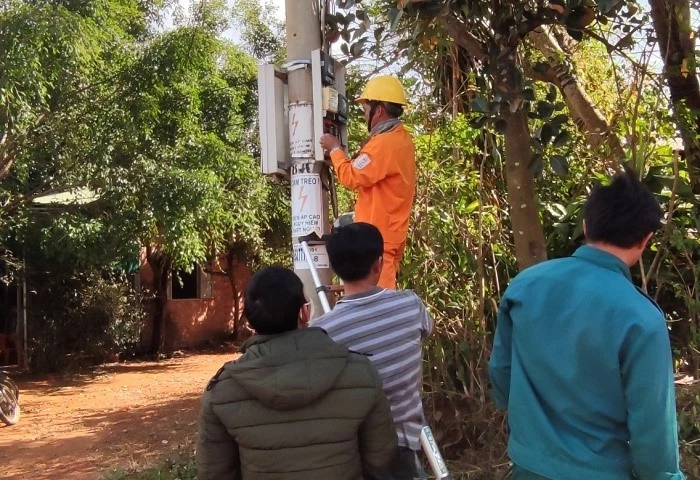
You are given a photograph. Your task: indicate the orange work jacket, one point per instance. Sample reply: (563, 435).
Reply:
(384, 175)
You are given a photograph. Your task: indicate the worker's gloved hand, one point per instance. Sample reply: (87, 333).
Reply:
(344, 219)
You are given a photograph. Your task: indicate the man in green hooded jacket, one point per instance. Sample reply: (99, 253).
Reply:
(295, 405)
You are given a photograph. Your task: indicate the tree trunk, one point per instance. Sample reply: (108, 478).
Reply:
(677, 46)
(11, 144)
(5, 165)
(530, 245)
(162, 266)
(8, 154)
(528, 235)
(231, 259)
(241, 329)
(586, 116)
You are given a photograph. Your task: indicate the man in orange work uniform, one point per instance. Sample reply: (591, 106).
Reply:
(383, 172)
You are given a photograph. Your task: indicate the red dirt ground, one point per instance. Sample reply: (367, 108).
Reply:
(118, 416)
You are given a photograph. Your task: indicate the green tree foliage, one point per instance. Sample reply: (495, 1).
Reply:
(262, 34)
(480, 51)
(591, 106)
(58, 66)
(673, 23)
(157, 127)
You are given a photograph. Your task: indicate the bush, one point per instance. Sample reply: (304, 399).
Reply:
(77, 319)
(688, 405)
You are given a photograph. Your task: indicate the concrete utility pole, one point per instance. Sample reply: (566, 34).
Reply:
(309, 201)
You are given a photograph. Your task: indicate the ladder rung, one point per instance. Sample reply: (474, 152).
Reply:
(315, 242)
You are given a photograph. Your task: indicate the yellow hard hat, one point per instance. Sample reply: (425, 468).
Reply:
(384, 88)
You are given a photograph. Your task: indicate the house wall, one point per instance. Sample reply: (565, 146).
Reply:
(195, 321)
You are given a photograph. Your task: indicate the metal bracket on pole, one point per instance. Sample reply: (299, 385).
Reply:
(296, 65)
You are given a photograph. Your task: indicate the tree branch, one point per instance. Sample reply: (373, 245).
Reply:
(458, 31)
(668, 228)
(548, 76)
(589, 120)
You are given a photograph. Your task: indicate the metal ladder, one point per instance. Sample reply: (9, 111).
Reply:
(427, 440)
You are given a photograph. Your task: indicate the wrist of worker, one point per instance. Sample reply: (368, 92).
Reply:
(337, 153)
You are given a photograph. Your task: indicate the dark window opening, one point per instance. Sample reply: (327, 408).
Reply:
(185, 284)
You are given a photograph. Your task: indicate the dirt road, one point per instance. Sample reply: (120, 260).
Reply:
(117, 416)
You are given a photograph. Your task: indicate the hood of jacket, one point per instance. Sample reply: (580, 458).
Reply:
(289, 370)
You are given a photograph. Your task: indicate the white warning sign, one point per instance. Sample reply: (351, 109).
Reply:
(301, 130)
(318, 255)
(306, 204)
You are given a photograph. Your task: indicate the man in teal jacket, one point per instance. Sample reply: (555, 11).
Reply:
(582, 360)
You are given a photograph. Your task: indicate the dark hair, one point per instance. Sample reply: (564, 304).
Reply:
(393, 109)
(353, 249)
(622, 213)
(273, 297)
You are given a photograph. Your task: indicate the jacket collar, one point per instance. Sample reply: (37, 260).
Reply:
(258, 339)
(603, 259)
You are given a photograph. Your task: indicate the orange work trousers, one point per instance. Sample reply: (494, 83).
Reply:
(392, 259)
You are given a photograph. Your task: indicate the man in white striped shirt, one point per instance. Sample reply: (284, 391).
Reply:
(386, 325)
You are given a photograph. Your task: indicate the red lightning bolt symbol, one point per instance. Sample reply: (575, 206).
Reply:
(295, 122)
(303, 198)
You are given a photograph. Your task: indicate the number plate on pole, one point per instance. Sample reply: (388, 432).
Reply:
(318, 255)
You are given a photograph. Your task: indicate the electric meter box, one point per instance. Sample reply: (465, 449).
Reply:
(273, 113)
(327, 69)
(329, 111)
(329, 101)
